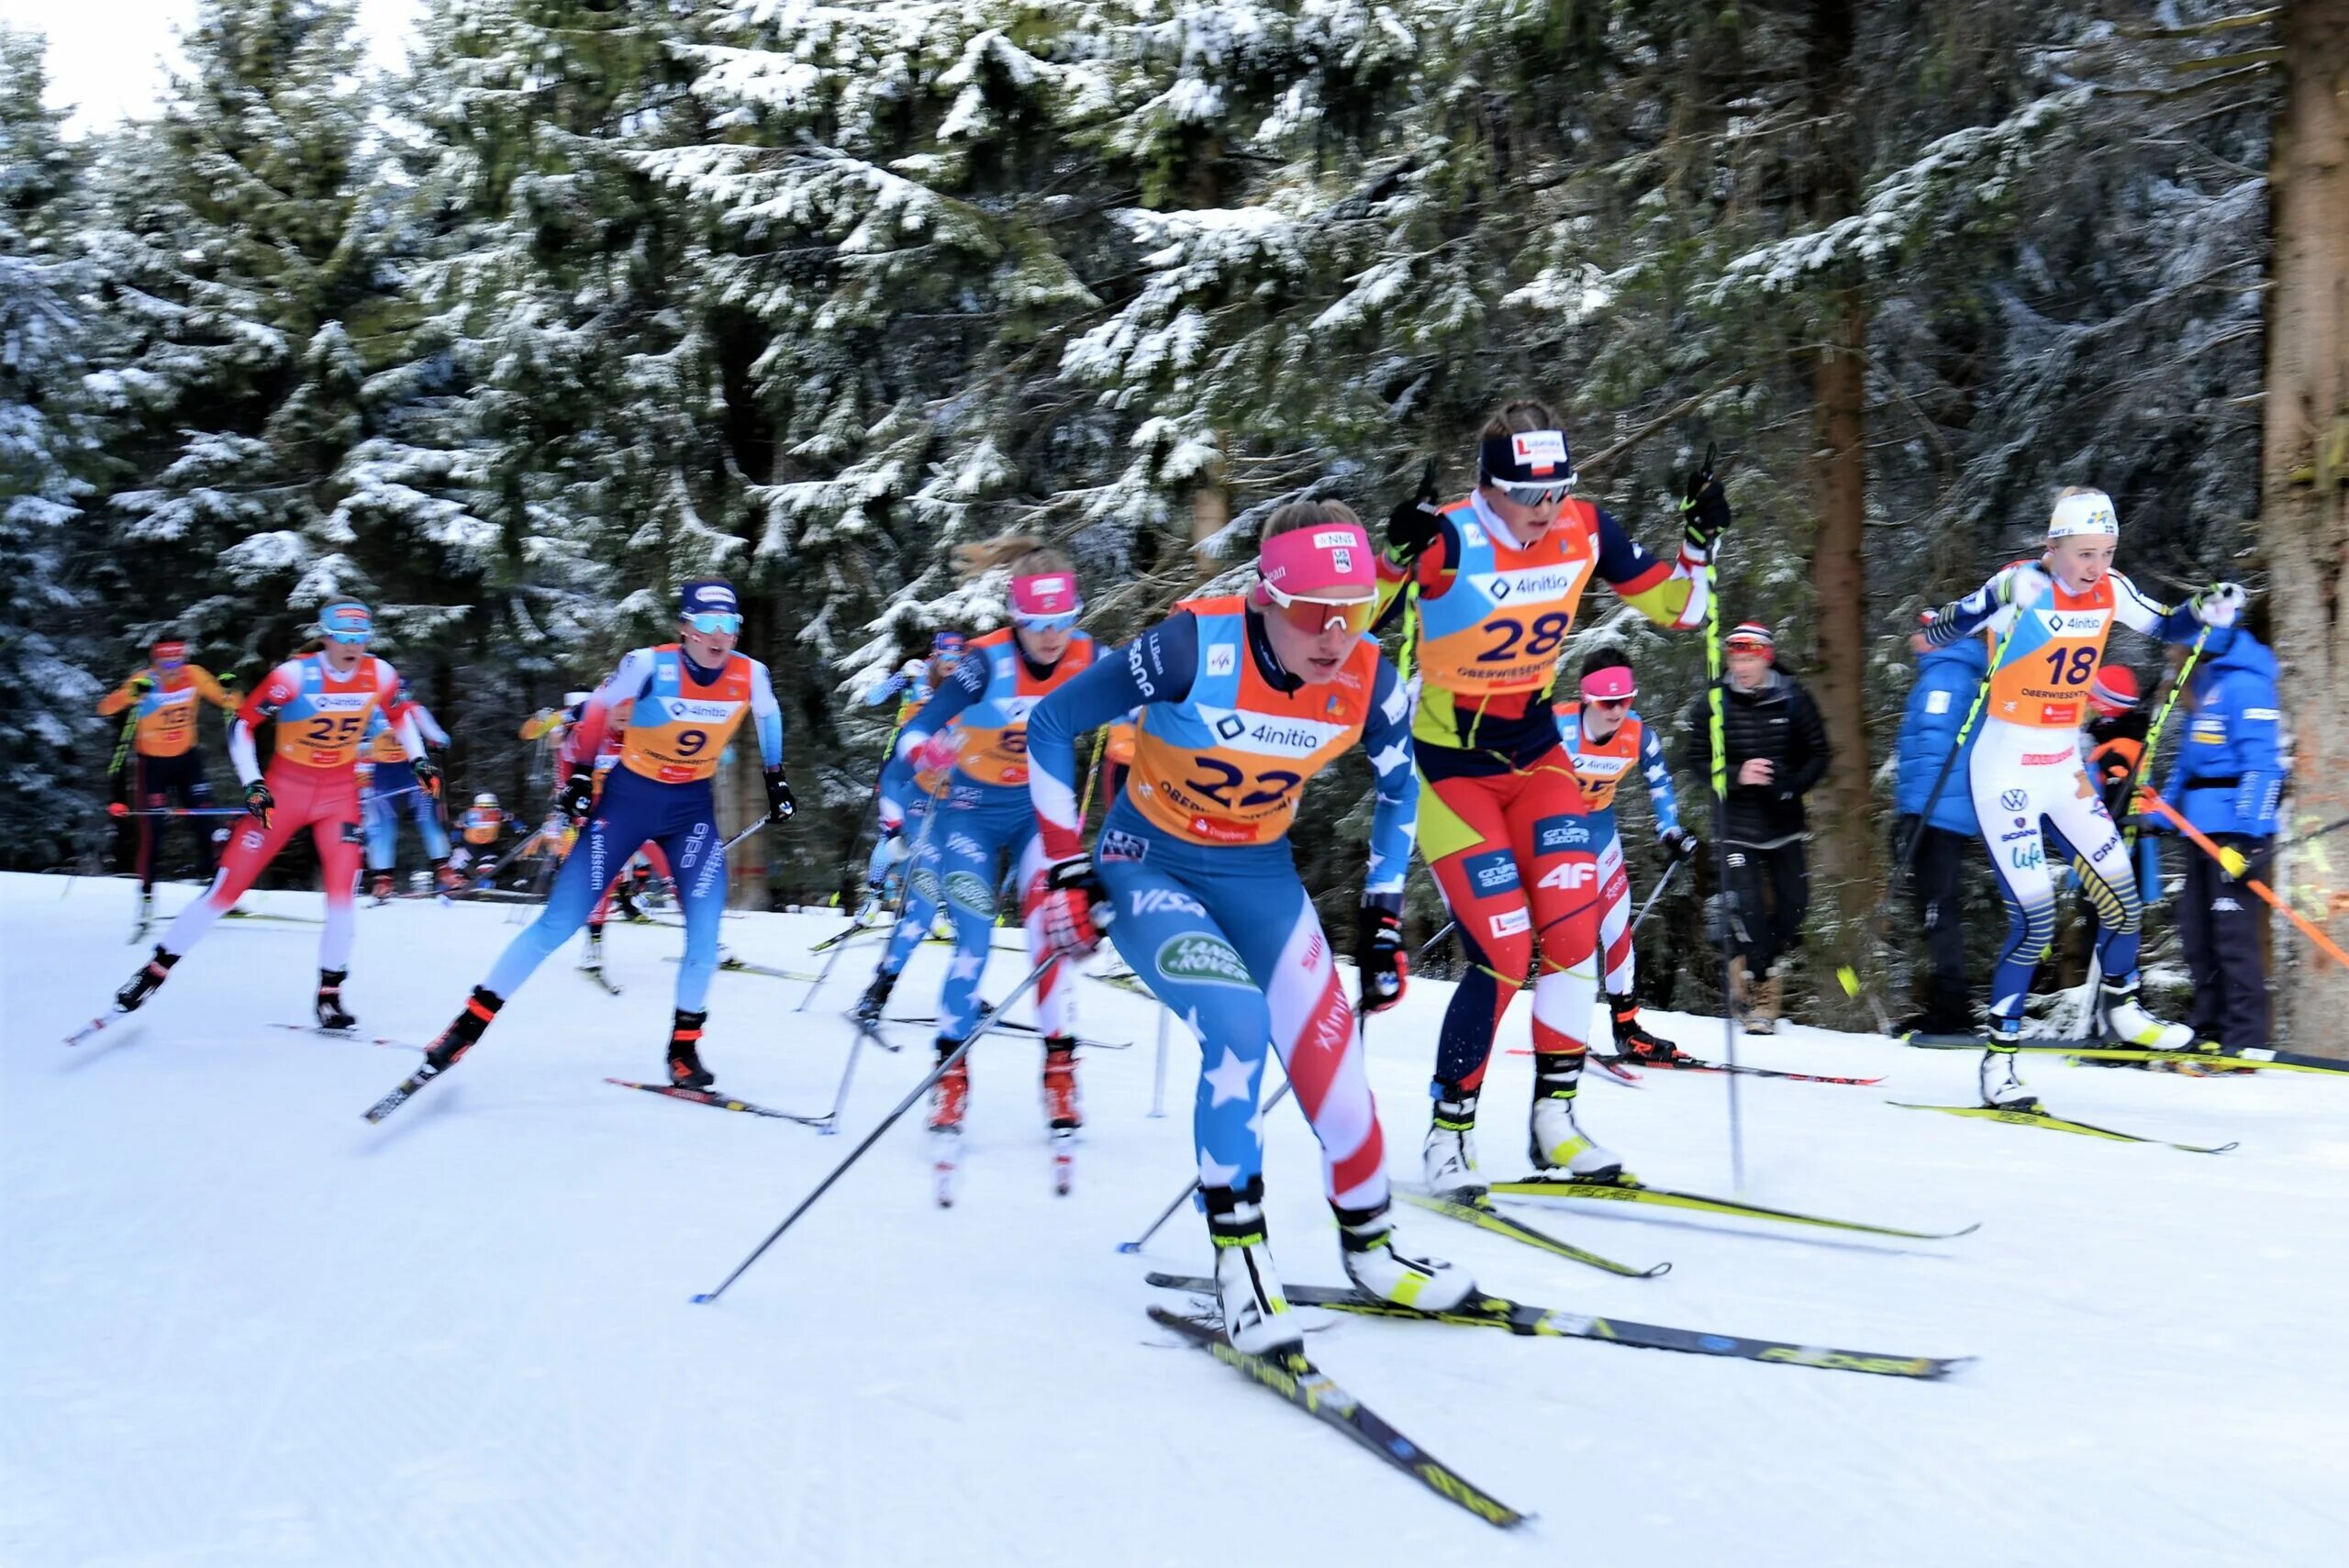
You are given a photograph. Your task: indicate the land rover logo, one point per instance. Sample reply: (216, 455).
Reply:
(967, 891)
(1196, 957)
(925, 885)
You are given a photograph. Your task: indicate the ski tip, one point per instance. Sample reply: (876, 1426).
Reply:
(1659, 1271)
(1130, 1248)
(703, 1297)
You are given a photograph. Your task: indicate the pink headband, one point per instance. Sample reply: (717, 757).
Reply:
(1614, 683)
(1048, 594)
(1325, 560)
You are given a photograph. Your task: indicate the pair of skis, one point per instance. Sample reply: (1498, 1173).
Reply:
(2017, 1115)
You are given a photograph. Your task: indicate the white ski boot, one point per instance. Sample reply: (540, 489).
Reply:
(2001, 1090)
(1377, 1269)
(2126, 1022)
(1557, 1142)
(1256, 1317)
(1449, 1156)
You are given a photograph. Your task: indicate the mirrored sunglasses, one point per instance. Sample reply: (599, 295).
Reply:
(1535, 492)
(1046, 623)
(715, 623)
(1315, 617)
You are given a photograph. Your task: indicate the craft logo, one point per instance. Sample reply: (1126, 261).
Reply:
(1207, 960)
(965, 891)
(1221, 660)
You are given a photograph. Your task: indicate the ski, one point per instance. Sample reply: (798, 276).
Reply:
(1625, 1190)
(325, 1033)
(92, 1027)
(716, 1102)
(1480, 1213)
(406, 1091)
(1684, 1063)
(871, 1035)
(1064, 1159)
(744, 966)
(284, 919)
(1926, 1040)
(596, 972)
(1615, 1067)
(2256, 1057)
(1543, 1322)
(1305, 1385)
(2057, 1124)
(1081, 1043)
(943, 1144)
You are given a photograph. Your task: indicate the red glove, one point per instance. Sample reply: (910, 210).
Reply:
(1075, 910)
(936, 753)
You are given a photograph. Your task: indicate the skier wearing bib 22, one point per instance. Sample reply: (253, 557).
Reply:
(2051, 617)
(687, 698)
(977, 727)
(1503, 824)
(1243, 700)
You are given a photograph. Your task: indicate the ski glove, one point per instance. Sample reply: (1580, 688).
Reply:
(141, 685)
(258, 802)
(2026, 587)
(228, 680)
(1678, 844)
(1703, 513)
(1412, 526)
(427, 776)
(1378, 952)
(1076, 909)
(936, 753)
(2218, 603)
(780, 805)
(577, 796)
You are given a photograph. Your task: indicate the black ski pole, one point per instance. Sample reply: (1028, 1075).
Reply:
(1184, 1195)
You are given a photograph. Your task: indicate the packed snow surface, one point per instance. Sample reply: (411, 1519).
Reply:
(242, 1327)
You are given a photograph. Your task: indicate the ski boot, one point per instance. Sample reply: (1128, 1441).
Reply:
(146, 913)
(1449, 1156)
(1557, 1144)
(867, 1011)
(952, 1096)
(624, 904)
(332, 1013)
(447, 879)
(1060, 1084)
(686, 1070)
(142, 984)
(2128, 1023)
(1256, 1317)
(380, 887)
(461, 1035)
(1366, 1242)
(1634, 1044)
(591, 955)
(2001, 1090)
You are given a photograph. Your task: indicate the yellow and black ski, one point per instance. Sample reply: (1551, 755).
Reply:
(1627, 1190)
(2018, 1117)
(1481, 1214)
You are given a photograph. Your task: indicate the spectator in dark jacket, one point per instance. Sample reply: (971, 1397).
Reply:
(1776, 752)
(1948, 680)
(2118, 721)
(2229, 782)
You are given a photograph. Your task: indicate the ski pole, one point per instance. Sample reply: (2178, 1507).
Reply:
(1714, 697)
(1184, 1195)
(1653, 894)
(912, 1098)
(2154, 733)
(1420, 959)
(2232, 863)
(855, 923)
(119, 811)
(1158, 1073)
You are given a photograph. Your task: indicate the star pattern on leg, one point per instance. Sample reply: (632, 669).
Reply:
(1212, 1174)
(967, 965)
(1231, 1078)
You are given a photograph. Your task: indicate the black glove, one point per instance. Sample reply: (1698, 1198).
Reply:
(258, 802)
(577, 798)
(1412, 526)
(1704, 511)
(780, 805)
(1678, 844)
(427, 776)
(1378, 951)
(141, 684)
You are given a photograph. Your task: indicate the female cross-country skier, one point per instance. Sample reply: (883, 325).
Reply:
(2050, 617)
(1499, 576)
(165, 766)
(321, 703)
(687, 698)
(1242, 699)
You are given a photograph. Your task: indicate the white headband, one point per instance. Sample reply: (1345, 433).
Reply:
(2089, 512)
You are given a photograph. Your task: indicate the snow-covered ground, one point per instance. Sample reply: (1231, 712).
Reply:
(240, 1326)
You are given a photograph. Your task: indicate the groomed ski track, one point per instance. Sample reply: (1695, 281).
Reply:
(242, 1328)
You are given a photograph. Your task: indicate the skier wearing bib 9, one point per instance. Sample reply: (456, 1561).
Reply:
(2050, 617)
(1243, 700)
(1607, 741)
(321, 703)
(1499, 576)
(975, 734)
(687, 698)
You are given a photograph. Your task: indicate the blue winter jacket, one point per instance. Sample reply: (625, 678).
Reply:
(2230, 772)
(1947, 679)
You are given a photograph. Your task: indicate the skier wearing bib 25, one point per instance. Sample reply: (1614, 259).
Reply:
(1607, 741)
(2051, 617)
(687, 698)
(1243, 700)
(321, 703)
(1503, 824)
(975, 734)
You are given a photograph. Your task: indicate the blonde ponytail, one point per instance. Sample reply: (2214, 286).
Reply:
(1021, 554)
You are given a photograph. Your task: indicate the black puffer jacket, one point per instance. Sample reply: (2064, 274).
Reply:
(1778, 721)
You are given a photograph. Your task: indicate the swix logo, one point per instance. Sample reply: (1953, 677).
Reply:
(1152, 900)
(1015, 709)
(701, 712)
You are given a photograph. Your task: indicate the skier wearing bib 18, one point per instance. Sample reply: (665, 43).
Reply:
(321, 703)
(1243, 700)
(1503, 826)
(687, 699)
(2050, 617)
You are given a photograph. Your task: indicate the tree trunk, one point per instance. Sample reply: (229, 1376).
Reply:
(2304, 489)
(1838, 583)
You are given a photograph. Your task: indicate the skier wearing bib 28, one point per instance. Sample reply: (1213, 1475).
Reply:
(2051, 617)
(687, 698)
(390, 787)
(1607, 741)
(1243, 700)
(165, 767)
(321, 703)
(1503, 824)
(975, 732)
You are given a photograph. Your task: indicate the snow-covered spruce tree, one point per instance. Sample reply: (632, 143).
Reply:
(53, 750)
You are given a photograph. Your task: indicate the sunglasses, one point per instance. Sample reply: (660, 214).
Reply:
(715, 623)
(1535, 492)
(1609, 702)
(1316, 617)
(349, 638)
(1736, 647)
(1048, 623)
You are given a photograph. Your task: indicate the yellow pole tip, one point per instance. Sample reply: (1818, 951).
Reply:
(1851, 981)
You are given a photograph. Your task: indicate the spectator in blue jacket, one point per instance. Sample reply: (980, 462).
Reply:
(2229, 782)
(1947, 680)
